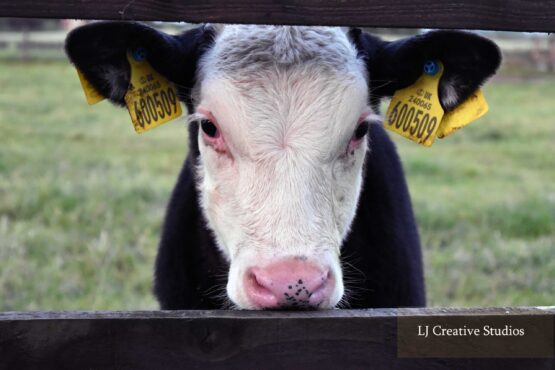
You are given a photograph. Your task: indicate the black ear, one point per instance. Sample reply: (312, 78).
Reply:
(99, 50)
(468, 59)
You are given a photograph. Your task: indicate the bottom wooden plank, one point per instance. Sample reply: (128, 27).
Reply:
(361, 339)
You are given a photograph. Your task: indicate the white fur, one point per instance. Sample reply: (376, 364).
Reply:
(287, 100)
(449, 95)
(114, 78)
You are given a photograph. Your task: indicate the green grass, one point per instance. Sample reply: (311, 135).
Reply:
(82, 198)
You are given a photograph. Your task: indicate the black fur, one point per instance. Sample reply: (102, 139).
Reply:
(382, 259)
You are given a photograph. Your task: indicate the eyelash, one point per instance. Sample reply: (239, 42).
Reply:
(212, 135)
(358, 135)
(209, 128)
(361, 130)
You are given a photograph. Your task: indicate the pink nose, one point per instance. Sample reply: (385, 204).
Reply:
(291, 283)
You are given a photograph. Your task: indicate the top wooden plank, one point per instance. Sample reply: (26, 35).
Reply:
(509, 15)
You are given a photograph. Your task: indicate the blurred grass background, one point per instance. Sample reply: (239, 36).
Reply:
(82, 197)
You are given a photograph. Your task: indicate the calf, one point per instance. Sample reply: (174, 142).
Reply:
(288, 167)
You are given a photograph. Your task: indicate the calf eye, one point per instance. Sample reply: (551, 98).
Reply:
(209, 128)
(361, 130)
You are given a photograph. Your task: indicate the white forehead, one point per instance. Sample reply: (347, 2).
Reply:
(277, 87)
(253, 48)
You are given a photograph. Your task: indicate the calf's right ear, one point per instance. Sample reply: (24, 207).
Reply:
(99, 51)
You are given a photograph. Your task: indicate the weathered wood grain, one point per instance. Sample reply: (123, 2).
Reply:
(512, 15)
(346, 339)
(236, 314)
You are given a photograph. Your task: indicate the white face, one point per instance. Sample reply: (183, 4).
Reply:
(280, 171)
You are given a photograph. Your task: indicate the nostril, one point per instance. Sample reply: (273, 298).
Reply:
(258, 291)
(321, 290)
(255, 281)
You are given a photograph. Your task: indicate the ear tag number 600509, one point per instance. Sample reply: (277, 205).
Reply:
(151, 99)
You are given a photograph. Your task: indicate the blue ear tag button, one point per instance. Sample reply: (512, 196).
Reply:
(139, 54)
(431, 67)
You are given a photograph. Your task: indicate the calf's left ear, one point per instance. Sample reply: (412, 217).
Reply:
(468, 60)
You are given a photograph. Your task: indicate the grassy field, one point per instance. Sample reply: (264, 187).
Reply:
(82, 198)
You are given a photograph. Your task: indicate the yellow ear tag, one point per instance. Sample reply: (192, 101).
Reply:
(470, 110)
(92, 95)
(151, 99)
(415, 111)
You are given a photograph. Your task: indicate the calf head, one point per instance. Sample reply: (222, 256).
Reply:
(283, 114)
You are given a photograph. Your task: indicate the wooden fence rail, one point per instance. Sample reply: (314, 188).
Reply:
(511, 15)
(338, 339)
